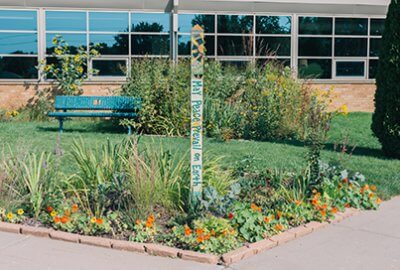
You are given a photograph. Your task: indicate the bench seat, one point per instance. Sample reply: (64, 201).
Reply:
(93, 114)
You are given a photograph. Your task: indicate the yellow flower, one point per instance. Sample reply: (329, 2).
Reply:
(10, 215)
(344, 110)
(57, 51)
(76, 58)
(79, 69)
(93, 220)
(53, 213)
(20, 212)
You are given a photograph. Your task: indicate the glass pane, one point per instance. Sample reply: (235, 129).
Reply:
(315, 26)
(65, 21)
(377, 27)
(150, 22)
(375, 46)
(351, 26)
(74, 41)
(18, 68)
(184, 44)
(110, 67)
(350, 47)
(273, 46)
(235, 45)
(108, 21)
(273, 24)
(310, 46)
(150, 44)
(18, 20)
(187, 21)
(235, 24)
(350, 69)
(111, 44)
(315, 68)
(373, 68)
(16, 43)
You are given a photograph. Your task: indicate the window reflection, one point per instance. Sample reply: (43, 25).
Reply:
(150, 22)
(18, 43)
(110, 44)
(315, 68)
(350, 69)
(18, 68)
(74, 41)
(235, 24)
(350, 47)
(65, 21)
(110, 67)
(273, 25)
(18, 20)
(187, 21)
(373, 68)
(377, 27)
(109, 21)
(235, 45)
(273, 46)
(315, 26)
(351, 26)
(150, 44)
(375, 46)
(310, 46)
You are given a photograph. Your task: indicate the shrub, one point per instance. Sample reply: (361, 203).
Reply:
(386, 118)
(258, 103)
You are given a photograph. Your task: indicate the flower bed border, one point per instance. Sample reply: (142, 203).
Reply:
(234, 256)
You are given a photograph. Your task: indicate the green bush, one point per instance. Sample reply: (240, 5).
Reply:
(386, 119)
(260, 103)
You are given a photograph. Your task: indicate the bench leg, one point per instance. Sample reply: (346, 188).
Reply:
(61, 121)
(129, 130)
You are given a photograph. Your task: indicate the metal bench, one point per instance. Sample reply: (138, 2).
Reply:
(95, 106)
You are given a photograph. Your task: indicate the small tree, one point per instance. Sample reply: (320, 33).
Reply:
(386, 119)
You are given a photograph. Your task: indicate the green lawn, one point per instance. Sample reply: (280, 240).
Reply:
(367, 157)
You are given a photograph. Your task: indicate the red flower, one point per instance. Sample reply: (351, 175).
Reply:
(64, 219)
(49, 209)
(230, 216)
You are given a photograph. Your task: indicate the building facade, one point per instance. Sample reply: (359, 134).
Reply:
(327, 42)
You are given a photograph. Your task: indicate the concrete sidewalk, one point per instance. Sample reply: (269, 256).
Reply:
(370, 240)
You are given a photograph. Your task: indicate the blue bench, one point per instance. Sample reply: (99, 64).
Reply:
(95, 106)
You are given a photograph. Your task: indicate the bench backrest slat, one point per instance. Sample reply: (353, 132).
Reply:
(120, 103)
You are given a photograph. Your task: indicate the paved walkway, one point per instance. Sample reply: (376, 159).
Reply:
(370, 240)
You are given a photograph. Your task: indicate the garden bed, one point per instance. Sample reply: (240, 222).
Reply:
(228, 258)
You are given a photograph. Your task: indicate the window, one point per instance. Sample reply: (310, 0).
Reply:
(18, 44)
(109, 44)
(150, 22)
(74, 42)
(184, 45)
(150, 45)
(279, 46)
(350, 69)
(66, 21)
(235, 45)
(315, 68)
(273, 25)
(109, 22)
(315, 26)
(351, 26)
(347, 51)
(109, 68)
(373, 68)
(237, 24)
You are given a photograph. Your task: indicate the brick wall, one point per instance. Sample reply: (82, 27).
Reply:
(357, 97)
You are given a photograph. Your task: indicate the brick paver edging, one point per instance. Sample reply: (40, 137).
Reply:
(165, 251)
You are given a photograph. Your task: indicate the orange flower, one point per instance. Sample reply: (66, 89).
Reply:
(366, 187)
(347, 205)
(149, 224)
(334, 210)
(64, 219)
(67, 212)
(266, 220)
(137, 222)
(278, 214)
(49, 209)
(200, 239)
(314, 202)
(279, 227)
(323, 213)
(371, 195)
(378, 201)
(188, 231)
(345, 180)
(56, 220)
(212, 232)
(151, 218)
(74, 208)
(199, 231)
(324, 206)
(207, 237)
(99, 221)
(255, 207)
(373, 188)
(298, 202)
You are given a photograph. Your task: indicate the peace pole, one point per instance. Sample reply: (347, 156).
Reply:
(196, 100)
